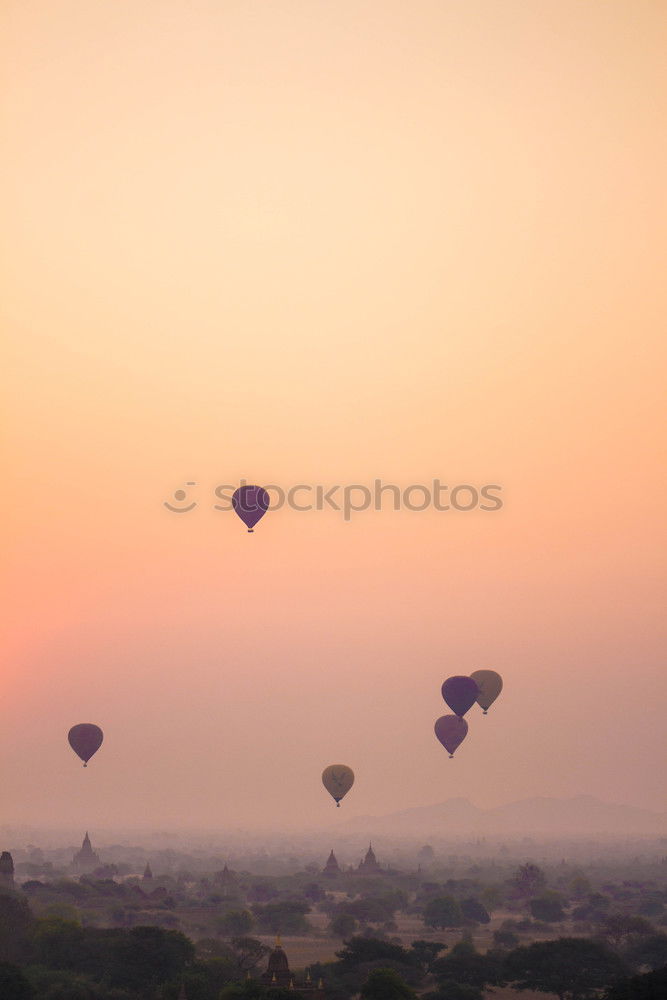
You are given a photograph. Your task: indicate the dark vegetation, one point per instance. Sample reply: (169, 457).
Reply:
(577, 932)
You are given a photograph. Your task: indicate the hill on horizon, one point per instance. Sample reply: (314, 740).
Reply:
(581, 814)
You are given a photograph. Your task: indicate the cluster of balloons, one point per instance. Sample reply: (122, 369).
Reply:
(250, 503)
(460, 694)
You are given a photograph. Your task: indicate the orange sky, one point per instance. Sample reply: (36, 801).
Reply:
(325, 243)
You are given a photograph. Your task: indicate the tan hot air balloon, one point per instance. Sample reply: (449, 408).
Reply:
(338, 780)
(490, 685)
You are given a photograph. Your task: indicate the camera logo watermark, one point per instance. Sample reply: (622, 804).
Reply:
(353, 498)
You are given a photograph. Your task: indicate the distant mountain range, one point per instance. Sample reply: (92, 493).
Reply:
(582, 815)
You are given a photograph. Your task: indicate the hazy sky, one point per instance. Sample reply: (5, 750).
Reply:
(318, 242)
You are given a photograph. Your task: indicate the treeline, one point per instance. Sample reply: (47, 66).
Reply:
(51, 958)
(572, 968)
(535, 902)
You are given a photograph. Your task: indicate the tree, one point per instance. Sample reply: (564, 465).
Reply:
(547, 909)
(572, 968)
(493, 896)
(473, 910)
(359, 950)
(343, 925)
(373, 909)
(314, 892)
(504, 938)
(386, 984)
(287, 917)
(15, 926)
(528, 880)
(465, 965)
(13, 984)
(443, 911)
(426, 952)
(212, 948)
(202, 981)
(262, 892)
(248, 990)
(651, 906)
(455, 991)
(58, 944)
(148, 956)
(248, 953)
(647, 952)
(651, 986)
(580, 886)
(620, 927)
(64, 984)
(236, 923)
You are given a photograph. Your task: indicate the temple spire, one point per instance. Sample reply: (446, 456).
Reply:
(86, 859)
(331, 867)
(7, 870)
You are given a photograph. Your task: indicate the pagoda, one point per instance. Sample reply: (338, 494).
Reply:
(227, 881)
(278, 971)
(369, 866)
(278, 974)
(332, 867)
(86, 860)
(6, 870)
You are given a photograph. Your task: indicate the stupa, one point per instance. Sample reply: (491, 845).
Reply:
(86, 860)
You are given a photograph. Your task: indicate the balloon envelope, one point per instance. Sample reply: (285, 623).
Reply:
(338, 780)
(451, 731)
(490, 685)
(85, 740)
(460, 693)
(250, 503)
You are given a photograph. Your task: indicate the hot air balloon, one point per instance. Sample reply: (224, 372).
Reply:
(460, 693)
(490, 685)
(250, 503)
(451, 731)
(338, 780)
(85, 740)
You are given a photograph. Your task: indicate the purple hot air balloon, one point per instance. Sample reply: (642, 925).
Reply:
(250, 503)
(85, 740)
(451, 731)
(460, 693)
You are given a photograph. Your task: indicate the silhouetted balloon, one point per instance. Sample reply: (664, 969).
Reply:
(338, 780)
(250, 503)
(451, 731)
(490, 685)
(460, 693)
(85, 740)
